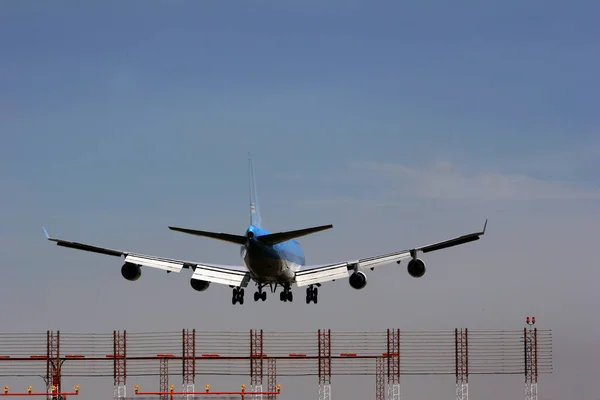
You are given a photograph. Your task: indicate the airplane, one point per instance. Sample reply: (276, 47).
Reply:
(273, 259)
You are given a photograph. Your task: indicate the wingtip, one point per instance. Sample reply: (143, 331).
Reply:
(46, 232)
(484, 226)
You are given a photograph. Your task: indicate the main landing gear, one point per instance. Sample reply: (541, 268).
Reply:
(238, 296)
(312, 294)
(286, 294)
(260, 294)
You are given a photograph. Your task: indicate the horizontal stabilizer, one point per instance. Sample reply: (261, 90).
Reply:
(238, 239)
(274, 238)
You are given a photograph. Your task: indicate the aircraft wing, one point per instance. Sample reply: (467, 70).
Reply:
(233, 275)
(314, 274)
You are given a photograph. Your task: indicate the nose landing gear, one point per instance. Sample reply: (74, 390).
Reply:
(260, 295)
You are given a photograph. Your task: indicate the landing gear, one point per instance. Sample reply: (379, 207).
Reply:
(260, 294)
(286, 294)
(238, 296)
(312, 294)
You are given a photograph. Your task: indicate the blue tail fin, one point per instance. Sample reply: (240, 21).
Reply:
(254, 210)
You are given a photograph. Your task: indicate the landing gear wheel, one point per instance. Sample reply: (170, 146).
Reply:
(286, 295)
(260, 295)
(312, 295)
(238, 296)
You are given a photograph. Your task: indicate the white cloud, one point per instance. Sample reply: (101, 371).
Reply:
(447, 182)
(374, 184)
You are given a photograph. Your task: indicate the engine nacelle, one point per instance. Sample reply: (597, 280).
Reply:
(131, 272)
(199, 285)
(416, 268)
(358, 280)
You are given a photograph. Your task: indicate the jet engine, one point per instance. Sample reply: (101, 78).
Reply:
(131, 272)
(199, 285)
(358, 280)
(416, 268)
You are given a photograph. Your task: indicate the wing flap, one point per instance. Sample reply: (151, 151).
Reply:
(372, 262)
(321, 274)
(219, 275)
(154, 262)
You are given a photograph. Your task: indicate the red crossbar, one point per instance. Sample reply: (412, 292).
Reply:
(242, 394)
(64, 394)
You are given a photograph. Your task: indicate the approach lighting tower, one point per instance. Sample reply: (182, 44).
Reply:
(531, 359)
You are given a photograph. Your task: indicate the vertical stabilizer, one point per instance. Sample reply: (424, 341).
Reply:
(254, 210)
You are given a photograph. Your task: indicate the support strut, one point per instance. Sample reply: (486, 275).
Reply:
(53, 362)
(120, 365)
(189, 362)
(379, 379)
(324, 364)
(393, 364)
(256, 362)
(461, 347)
(164, 378)
(531, 361)
(271, 378)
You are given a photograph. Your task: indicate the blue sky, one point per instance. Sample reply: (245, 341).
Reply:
(403, 121)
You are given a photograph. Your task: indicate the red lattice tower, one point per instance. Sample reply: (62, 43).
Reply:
(379, 379)
(393, 363)
(531, 360)
(256, 360)
(271, 378)
(461, 340)
(189, 361)
(53, 361)
(120, 364)
(164, 378)
(324, 364)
